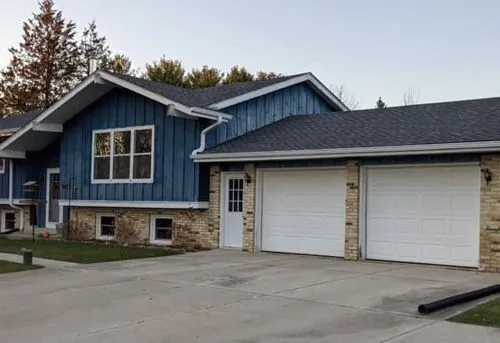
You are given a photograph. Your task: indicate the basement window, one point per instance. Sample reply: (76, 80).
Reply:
(161, 230)
(105, 226)
(8, 220)
(123, 155)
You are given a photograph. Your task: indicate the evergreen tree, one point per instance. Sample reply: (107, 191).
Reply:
(237, 74)
(381, 103)
(167, 71)
(204, 77)
(44, 65)
(262, 75)
(94, 47)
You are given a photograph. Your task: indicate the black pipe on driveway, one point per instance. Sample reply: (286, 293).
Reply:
(458, 299)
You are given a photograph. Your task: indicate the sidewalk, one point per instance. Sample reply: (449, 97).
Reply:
(18, 258)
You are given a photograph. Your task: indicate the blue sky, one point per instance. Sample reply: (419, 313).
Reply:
(444, 49)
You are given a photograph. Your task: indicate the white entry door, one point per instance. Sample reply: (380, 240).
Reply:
(423, 214)
(53, 213)
(232, 233)
(303, 211)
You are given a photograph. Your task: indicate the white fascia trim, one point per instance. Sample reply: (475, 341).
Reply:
(12, 154)
(193, 111)
(15, 201)
(447, 148)
(135, 204)
(48, 127)
(48, 111)
(280, 85)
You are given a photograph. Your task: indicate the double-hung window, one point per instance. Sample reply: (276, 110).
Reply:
(123, 155)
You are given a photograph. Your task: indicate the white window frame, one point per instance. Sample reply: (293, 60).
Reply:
(132, 153)
(152, 230)
(3, 165)
(98, 227)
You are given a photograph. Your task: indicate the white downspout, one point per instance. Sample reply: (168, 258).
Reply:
(11, 194)
(203, 136)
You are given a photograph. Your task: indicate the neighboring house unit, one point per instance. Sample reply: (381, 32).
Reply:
(116, 151)
(277, 165)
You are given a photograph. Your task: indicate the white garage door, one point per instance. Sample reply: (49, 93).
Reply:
(303, 211)
(424, 214)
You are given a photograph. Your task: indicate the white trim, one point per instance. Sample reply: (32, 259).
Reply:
(2, 225)
(51, 225)
(48, 127)
(152, 228)
(12, 154)
(195, 205)
(131, 154)
(446, 148)
(47, 112)
(280, 85)
(222, 205)
(98, 227)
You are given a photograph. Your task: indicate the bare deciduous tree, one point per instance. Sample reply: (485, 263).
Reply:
(347, 98)
(411, 97)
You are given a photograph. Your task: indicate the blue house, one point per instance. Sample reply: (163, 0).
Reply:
(113, 158)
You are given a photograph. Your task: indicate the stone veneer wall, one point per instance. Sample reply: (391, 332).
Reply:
(489, 238)
(190, 227)
(249, 208)
(352, 211)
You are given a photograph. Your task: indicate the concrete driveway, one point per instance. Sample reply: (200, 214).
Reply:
(228, 296)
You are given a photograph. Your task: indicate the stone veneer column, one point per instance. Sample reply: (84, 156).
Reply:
(352, 211)
(249, 209)
(214, 200)
(489, 237)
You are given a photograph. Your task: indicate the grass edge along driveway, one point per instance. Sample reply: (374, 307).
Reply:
(81, 252)
(486, 314)
(12, 267)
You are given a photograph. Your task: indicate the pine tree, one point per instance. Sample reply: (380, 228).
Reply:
(44, 65)
(381, 103)
(262, 75)
(94, 47)
(237, 74)
(167, 71)
(204, 77)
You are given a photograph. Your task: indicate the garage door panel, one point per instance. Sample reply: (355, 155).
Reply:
(303, 211)
(427, 215)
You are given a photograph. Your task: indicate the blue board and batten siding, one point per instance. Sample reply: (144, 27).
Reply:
(175, 175)
(255, 113)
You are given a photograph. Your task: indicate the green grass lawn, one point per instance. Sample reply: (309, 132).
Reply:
(11, 267)
(80, 252)
(487, 314)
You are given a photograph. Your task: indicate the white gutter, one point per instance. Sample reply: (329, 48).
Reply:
(203, 136)
(11, 194)
(446, 148)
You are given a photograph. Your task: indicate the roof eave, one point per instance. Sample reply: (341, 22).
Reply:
(425, 149)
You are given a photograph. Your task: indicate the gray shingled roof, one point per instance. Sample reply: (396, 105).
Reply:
(204, 96)
(448, 122)
(16, 121)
